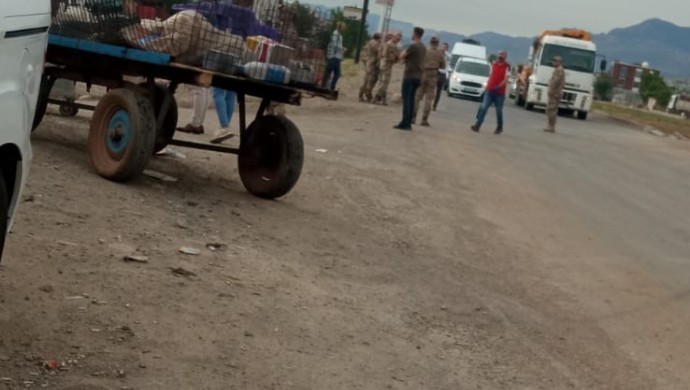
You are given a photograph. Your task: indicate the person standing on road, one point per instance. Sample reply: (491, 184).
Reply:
(371, 65)
(556, 86)
(434, 60)
(495, 92)
(442, 77)
(334, 57)
(390, 55)
(414, 68)
(200, 106)
(225, 107)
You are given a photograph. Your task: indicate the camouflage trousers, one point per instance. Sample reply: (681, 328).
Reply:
(426, 92)
(370, 78)
(552, 112)
(384, 82)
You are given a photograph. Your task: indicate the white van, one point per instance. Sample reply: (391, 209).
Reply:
(469, 78)
(461, 49)
(23, 41)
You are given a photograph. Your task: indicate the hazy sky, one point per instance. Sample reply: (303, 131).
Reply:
(527, 17)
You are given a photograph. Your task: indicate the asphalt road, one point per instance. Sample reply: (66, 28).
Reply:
(606, 209)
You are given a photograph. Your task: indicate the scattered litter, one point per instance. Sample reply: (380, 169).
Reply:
(182, 272)
(172, 152)
(189, 251)
(160, 176)
(74, 297)
(47, 288)
(136, 259)
(214, 246)
(67, 243)
(29, 198)
(95, 330)
(6, 379)
(51, 364)
(321, 150)
(248, 334)
(444, 308)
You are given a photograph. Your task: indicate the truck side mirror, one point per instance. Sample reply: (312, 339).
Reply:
(602, 67)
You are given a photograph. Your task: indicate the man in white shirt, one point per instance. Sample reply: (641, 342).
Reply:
(334, 57)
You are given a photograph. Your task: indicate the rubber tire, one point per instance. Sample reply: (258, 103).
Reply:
(167, 131)
(582, 115)
(278, 139)
(42, 103)
(4, 213)
(519, 100)
(68, 110)
(136, 154)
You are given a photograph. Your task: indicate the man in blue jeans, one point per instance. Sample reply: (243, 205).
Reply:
(412, 78)
(495, 92)
(334, 57)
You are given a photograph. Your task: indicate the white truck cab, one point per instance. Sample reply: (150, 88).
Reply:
(23, 41)
(579, 59)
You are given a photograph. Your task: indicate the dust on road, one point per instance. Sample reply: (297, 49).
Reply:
(429, 260)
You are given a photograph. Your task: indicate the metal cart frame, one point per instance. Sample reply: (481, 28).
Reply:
(132, 122)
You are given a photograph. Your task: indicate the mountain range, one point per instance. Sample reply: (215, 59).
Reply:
(664, 45)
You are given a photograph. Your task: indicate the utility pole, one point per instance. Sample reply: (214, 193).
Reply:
(386, 24)
(362, 30)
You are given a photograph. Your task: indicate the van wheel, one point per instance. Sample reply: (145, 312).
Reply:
(4, 213)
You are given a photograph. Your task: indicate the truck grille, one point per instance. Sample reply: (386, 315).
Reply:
(470, 84)
(569, 97)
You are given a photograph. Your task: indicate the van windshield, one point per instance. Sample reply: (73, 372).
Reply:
(578, 60)
(473, 68)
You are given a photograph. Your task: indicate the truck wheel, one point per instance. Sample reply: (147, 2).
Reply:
(4, 213)
(271, 157)
(67, 109)
(122, 134)
(166, 133)
(519, 100)
(582, 115)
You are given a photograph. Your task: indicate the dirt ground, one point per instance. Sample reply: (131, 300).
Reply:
(379, 271)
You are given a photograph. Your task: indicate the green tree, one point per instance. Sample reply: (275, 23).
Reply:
(654, 86)
(603, 87)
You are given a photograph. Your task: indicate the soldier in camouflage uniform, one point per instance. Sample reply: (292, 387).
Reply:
(556, 86)
(434, 60)
(390, 55)
(371, 64)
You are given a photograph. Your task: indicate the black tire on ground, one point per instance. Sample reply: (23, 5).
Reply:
(42, 103)
(68, 110)
(166, 133)
(582, 115)
(271, 157)
(519, 100)
(122, 134)
(4, 213)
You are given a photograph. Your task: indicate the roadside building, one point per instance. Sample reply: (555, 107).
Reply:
(628, 77)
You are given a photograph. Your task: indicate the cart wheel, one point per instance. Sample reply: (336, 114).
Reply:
(67, 109)
(271, 157)
(42, 103)
(166, 133)
(122, 134)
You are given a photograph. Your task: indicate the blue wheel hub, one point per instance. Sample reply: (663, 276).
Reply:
(119, 132)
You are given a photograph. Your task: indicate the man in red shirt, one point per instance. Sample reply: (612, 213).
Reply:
(495, 92)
